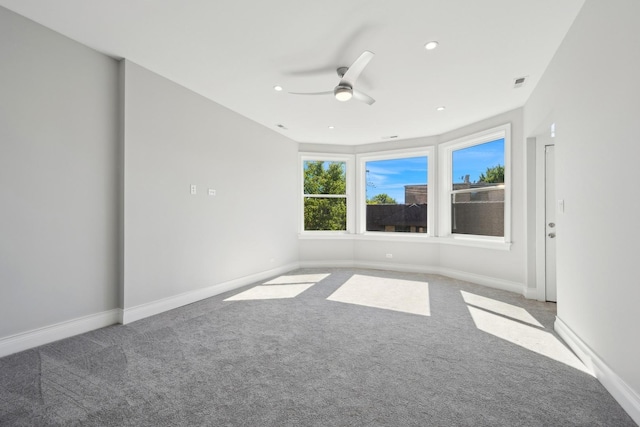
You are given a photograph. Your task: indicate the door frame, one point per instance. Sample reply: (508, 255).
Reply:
(541, 260)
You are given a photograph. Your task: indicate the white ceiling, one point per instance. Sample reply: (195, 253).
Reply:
(235, 51)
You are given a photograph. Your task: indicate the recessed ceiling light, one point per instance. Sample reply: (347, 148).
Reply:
(441, 108)
(277, 88)
(431, 45)
(332, 127)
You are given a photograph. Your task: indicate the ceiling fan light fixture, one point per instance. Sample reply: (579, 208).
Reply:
(343, 93)
(431, 45)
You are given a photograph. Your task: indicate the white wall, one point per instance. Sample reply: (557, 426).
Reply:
(508, 266)
(58, 178)
(591, 91)
(175, 242)
(499, 268)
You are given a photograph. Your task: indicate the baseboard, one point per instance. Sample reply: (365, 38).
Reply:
(531, 293)
(624, 395)
(405, 268)
(327, 264)
(488, 281)
(29, 339)
(142, 311)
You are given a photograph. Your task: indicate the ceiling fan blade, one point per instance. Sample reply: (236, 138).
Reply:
(312, 93)
(361, 96)
(356, 69)
(312, 71)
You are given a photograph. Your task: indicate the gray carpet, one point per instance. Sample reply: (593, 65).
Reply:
(305, 361)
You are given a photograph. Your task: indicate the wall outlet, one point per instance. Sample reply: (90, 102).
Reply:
(212, 192)
(389, 255)
(193, 189)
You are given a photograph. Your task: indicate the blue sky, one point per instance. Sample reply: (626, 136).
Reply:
(475, 160)
(390, 176)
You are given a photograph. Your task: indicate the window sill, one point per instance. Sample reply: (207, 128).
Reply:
(395, 237)
(474, 242)
(330, 235)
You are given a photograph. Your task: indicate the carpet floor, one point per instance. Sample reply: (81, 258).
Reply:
(317, 347)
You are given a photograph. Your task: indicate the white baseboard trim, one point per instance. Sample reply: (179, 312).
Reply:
(327, 264)
(628, 398)
(160, 306)
(405, 268)
(531, 293)
(491, 282)
(29, 339)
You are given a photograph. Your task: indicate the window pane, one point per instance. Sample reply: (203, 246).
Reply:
(479, 213)
(479, 163)
(396, 193)
(323, 213)
(322, 177)
(478, 167)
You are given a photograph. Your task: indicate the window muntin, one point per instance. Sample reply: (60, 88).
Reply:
(474, 182)
(325, 196)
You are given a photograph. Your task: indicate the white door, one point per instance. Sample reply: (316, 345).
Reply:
(550, 224)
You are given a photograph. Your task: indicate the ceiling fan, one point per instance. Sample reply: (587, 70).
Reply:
(348, 76)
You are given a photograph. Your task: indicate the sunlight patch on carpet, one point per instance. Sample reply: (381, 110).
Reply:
(525, 336)
(500, 307)
(271, 292)
(390, 294)
(297, 278)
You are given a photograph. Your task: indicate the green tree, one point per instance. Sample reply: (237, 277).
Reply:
(493, 175)
(382, 199)
(325, 213)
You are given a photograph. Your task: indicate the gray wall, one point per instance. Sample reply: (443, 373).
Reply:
(176, 242)
(58, 178)
(96, 160)
(590, 91)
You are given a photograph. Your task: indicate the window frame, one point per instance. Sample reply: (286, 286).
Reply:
(445, 172)
(361, 182)
(325, 157)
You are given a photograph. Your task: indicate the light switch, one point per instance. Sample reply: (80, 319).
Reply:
(561, 205)
(193, 189)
